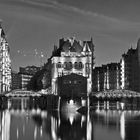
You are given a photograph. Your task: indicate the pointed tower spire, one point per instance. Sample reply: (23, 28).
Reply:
(54, 50)
(91, 39)
(55, 47)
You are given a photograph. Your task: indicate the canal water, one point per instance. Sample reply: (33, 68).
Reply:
(23, 119)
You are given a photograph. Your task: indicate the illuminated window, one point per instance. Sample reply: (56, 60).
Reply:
(67, 82)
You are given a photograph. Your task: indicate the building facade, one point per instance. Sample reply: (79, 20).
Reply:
(106, 77)
(130, 69)
(15, 80)
(5, 64)
(72, 57)
(26, 73)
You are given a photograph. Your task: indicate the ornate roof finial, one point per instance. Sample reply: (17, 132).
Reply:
(71, 40)
(0, 23)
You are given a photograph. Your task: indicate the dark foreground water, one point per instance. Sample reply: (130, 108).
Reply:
(23, 120)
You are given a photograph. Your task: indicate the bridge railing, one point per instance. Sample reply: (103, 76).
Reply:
(22, 93)
(117, 94)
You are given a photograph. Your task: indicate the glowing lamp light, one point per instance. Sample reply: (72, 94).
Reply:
(122, 106)
(71, 119)
(71, 102)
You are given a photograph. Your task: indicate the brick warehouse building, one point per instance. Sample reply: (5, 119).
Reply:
(73, 58)
(130, 69)
(106, 77)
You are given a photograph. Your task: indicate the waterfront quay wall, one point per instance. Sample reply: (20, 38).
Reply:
(32, 102)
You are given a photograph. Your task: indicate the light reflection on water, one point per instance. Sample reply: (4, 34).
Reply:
(21, 120)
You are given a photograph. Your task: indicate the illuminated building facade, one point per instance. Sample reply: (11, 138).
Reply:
(72, 57)
(106, 77)
(130, 75)
(5, 64)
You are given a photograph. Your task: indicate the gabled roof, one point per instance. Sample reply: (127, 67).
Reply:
(72, 46)
(86, 47)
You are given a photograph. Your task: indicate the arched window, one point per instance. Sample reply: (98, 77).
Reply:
(87, 68)
(65, 65)
(68, 65)
(80, 65)
(59, 65)
(76, 65)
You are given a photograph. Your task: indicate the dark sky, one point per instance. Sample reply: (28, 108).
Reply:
(39, 24)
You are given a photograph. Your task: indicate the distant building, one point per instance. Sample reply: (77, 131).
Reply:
(72, 57)
(46, 79)
(29, 70)
(130, 69)
(5, 63)
(26, 73)
(16, 80)
(106, 77)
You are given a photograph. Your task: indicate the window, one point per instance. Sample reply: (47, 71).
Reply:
(78, 65)
(59, 65)
(59, 74)
(68, 65)
(87, 68)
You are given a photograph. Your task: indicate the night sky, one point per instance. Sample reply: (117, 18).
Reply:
(34, 26)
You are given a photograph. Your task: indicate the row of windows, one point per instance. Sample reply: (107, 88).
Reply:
(67, 73)
(69, 65)
(71, 82)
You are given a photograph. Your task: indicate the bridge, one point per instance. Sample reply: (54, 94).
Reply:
(22, 93)
(117, 94)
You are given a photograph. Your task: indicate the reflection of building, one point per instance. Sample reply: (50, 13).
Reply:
(75, 127)
(72, 56)
(127, 123)
(24, 121)
(5, 125)
(106, 77)
(5, 64)
(26, 74)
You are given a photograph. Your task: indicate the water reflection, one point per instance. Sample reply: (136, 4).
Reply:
(22, 120)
